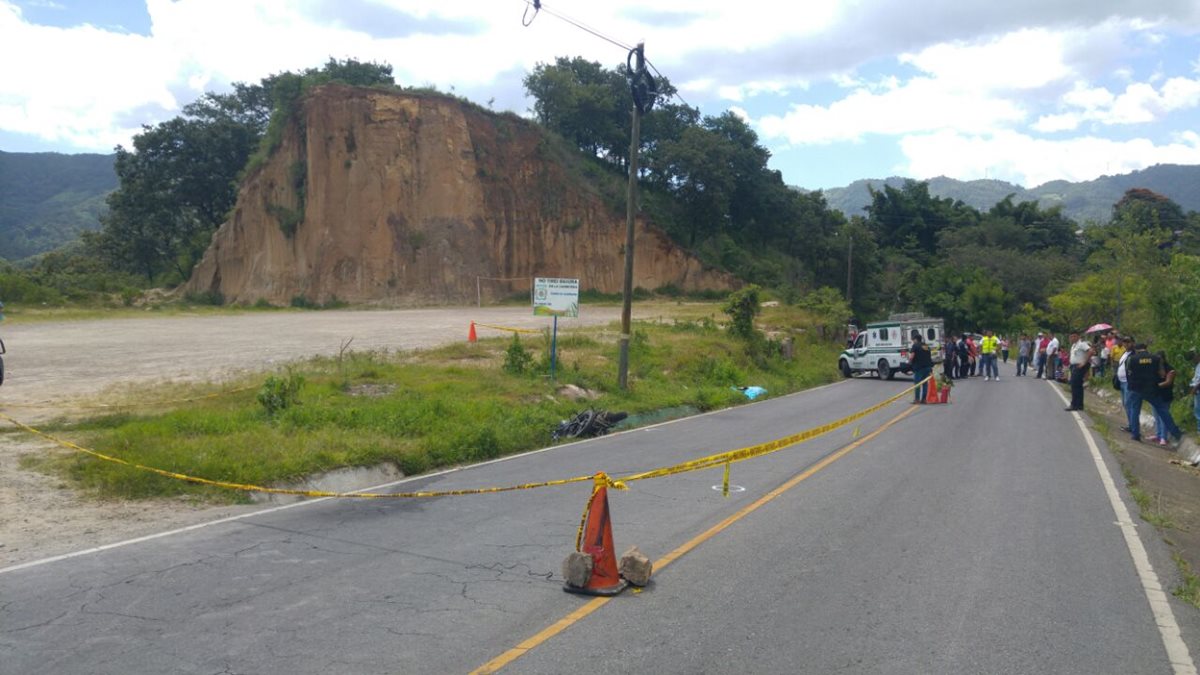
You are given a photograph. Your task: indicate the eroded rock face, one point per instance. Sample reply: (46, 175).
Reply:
(404, 199)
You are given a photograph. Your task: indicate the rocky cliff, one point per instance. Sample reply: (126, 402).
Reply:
(397, 198)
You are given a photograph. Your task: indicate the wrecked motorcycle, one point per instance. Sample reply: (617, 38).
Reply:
(587, 424)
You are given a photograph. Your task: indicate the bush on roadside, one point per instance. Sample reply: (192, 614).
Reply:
(517, 358)
(280, 393)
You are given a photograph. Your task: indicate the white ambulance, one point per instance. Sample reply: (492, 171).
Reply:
(882, 347)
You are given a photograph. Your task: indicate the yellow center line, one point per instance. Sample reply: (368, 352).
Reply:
(596, 603)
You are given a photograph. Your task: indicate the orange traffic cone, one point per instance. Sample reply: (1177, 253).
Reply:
(471, 333)
(931, 395)
(597, 542)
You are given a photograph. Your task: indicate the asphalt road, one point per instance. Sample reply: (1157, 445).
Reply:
(970, 538)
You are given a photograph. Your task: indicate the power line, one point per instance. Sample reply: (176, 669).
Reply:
(527, 20)
(660, 76)
(538, 6)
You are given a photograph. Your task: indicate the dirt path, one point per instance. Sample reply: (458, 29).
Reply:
(61, 368)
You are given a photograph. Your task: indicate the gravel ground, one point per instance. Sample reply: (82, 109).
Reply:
(66, 368)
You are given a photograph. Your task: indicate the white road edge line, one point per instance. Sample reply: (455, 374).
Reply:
(407, 479)
(1177, 650)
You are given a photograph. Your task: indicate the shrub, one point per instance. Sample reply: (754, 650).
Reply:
(280, 393)
(742, 307)
(517, 359)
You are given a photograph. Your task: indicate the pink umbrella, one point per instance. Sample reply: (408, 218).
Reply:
(1099, 326)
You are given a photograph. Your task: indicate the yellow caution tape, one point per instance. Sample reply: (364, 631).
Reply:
(599, 479)
(511, 330)
(761, 449)
(284, 491)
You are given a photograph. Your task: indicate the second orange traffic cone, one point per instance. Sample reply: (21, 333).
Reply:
(931, 395)
(598, 543)
(471, 333)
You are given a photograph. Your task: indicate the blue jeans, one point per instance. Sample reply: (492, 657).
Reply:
(1022, 364)
(989, 365)
(1196, 409)
(1161, 410)
(922, 391)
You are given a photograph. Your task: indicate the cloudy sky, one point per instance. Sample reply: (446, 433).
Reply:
(1022, 90)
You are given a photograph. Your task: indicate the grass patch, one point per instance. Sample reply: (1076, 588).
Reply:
(1189, 590)
(1150, 507)
(426, 410)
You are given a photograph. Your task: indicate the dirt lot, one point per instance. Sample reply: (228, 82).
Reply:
(67, 368)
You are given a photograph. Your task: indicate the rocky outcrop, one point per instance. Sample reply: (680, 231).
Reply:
(399, 198)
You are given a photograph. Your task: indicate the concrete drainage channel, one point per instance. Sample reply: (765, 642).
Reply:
(656, 417)
(338, 480)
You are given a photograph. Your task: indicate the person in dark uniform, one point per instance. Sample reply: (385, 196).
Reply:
(950, 358)
(964, 356)
(922, 366)
(1145, 371)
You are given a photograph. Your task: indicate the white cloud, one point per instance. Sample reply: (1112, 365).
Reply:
(61, 97)
(922, 104)
(741, 92)
(1024, 59)
(1028, 161)
(741, 113)
(1140, 103)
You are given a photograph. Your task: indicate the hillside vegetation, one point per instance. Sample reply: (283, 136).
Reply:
(48, 199)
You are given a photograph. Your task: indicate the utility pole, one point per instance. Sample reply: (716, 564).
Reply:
(642, 86)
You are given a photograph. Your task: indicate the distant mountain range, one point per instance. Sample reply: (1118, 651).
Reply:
(1087, 201)
(47, 199)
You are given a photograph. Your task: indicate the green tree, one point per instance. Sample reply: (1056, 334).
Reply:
(701, 164)
(984, 302)
(910, 219)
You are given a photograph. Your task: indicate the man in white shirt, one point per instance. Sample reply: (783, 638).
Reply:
(1051, 357)
(1081, 358)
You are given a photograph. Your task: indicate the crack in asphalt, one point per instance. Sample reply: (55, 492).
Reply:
(501, 570)
(41, 624)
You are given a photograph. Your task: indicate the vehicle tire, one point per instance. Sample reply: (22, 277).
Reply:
(844, 366)
(884, 370)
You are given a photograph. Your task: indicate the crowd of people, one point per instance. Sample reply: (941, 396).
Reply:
(1140, 375)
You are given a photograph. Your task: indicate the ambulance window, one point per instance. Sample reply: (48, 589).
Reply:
(932, 333)
(861, 341)
(883, 334)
